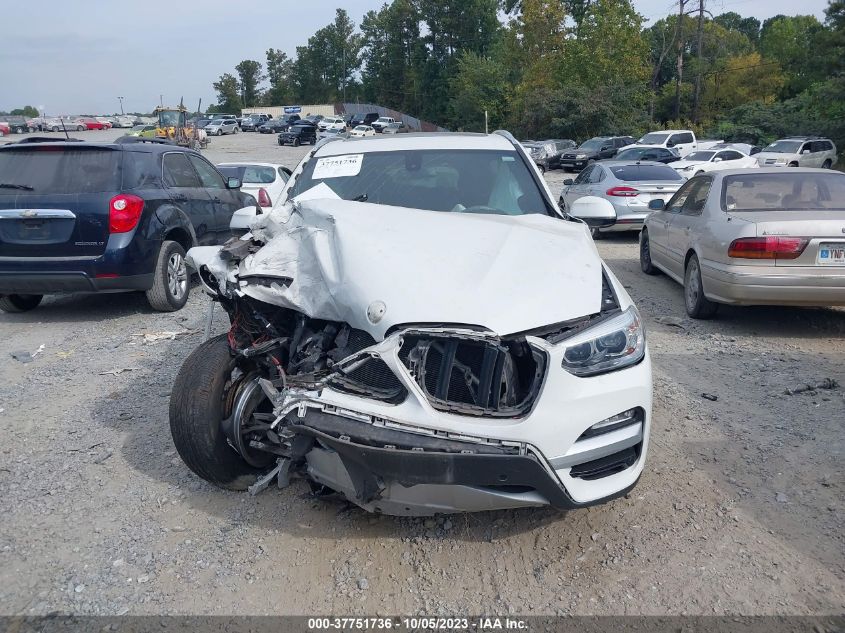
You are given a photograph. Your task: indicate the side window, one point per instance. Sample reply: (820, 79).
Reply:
(177, 171)
(619, 142)
(686, 138)
(808, 147)
(597, 175)
(208, 175)
(663, 153)
(584, 176)
(677, 201)
(697, 198)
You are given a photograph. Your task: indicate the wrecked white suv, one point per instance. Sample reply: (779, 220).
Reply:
(418, 328)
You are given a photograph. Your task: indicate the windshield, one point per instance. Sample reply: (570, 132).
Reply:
(57, 170)
(383, 119)
(700, 156)
(461, 181)
(784, 192)
(654, 138)
(139, 128)
(645, 173)
(784, 147)
(593, 143)
(217, 122)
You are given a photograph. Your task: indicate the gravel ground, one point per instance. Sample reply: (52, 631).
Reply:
(739, 511)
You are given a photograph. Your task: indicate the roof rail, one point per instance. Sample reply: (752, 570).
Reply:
(48, 139)
(142, 139)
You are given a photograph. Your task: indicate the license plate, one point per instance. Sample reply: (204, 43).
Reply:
(831, 254)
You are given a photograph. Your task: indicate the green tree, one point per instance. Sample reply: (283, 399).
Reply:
(279, 69)
(733, 21)
(28, 111)
(228, 93)
(789, 41)
(249, 75)
(480, 85)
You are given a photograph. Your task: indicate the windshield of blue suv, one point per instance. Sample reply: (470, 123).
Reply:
(460, 181)
(594, 144)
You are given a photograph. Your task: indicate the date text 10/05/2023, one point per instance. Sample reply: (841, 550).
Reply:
(417, 623)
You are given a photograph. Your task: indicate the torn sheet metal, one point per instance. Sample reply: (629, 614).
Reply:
(336, 259)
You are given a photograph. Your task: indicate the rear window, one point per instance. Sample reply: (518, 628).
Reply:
(632, 173)
(255, 174)
(654, 138)
(52, 169)
(784, 192)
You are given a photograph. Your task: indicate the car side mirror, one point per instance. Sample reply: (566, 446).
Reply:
(594, 211)
(241, 219)
(717, 160)
(233, 183)
(805, 151)
(568, 182)
(604, 148)
(671, 144)
(656, 205)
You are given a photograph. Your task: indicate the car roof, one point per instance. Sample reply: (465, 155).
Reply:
(141, 145)
(631, 163)
(775, 170)
(416, 141)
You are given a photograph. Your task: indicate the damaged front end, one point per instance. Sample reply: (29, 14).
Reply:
(399, 416)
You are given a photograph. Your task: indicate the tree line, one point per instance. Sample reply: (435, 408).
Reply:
(568, 68)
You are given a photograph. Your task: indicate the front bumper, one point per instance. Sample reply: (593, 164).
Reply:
(572, 163)
(409, 474)
(772, 285)
(409, 458)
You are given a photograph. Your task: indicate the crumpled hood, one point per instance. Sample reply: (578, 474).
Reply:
(341, 258)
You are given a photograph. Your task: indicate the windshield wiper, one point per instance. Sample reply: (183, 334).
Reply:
(10, 185)
(362, 198)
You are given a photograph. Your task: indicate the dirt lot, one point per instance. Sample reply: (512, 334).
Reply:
(740, 509)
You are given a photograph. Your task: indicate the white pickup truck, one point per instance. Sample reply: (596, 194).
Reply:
(682, 141)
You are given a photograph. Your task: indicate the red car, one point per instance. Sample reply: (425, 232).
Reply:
(88, 123)
(5, 129)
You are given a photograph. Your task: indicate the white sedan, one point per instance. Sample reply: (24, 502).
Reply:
(264, 181)
(704, 161)
(362, 130)
(332, 123)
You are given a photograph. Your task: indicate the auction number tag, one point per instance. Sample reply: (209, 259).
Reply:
(338, 166)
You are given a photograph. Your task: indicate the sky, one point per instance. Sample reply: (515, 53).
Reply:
(88, 53)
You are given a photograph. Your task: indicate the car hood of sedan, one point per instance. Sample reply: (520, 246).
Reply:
(376, 266)
(680, 164)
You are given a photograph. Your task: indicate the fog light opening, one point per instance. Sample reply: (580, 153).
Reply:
(613, 423)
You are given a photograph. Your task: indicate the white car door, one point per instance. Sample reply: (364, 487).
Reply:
(684, 142)
(578, 188)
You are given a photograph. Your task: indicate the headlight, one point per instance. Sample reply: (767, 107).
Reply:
(581, 156)
(610, 345)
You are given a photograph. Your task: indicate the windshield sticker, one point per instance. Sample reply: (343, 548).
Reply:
(338, 166)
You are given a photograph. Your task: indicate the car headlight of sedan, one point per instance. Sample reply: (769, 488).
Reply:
(613, 344)
(581, 156)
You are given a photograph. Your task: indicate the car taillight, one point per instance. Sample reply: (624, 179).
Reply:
(623, 192)
(264, 198)
(770, 247)
(124, 212)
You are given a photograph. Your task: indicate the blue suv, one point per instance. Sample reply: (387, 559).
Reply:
(92, 217)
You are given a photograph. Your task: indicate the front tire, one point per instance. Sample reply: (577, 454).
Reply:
(19, 303)
(698, 306)
(827, 164)
(646, 264)
(198, 405)
(296, 142)
(171, 285)
(80, 128)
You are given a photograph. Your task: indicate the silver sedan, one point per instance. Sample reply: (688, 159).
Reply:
(751, 237)
(628, 185)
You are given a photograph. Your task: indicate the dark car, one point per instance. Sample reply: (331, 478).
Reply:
(17, 123)
(253, 122)
(547, 154)
(88, 217)
(273, 126)
(655, 154)
(299, 134)
(363, 119)
(597, 148)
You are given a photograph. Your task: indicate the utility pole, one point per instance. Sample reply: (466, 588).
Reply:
(680, 60)
(697, 95)
(161, 100)
(486, 131)
(121, 105)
